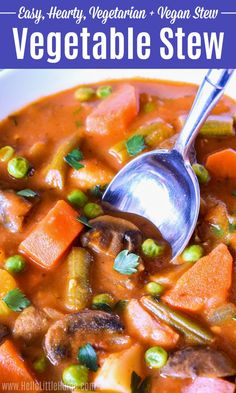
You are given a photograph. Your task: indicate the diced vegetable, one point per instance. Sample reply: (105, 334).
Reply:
(77, 198)
(92, 210)
(207, 385)
(113, 115)
(193, 332)
(115, 373)
(6, 153)
(88, 357)
(192, 253)
(14, 369)
(214, 127)
(93, 173)
(7, 283)
(152, 249)
(222, 164)
(75, 376)
(168, 276)
(55, 173)
(15, 264)
(47, 243)
(84, 93)
(154, 288)
(18, 167)
(206, 284)
(13, 210)
(156, 357)
(201, 173)
(78, 289)
(104, 91)
(153, 134)
(144, 327)
(222, 314)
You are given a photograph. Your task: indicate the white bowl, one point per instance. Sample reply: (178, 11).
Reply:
(20, 87)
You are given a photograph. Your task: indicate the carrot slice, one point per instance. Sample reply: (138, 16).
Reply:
(207, 385)
(113, 115)
(222, 164)
(13, 370)
(145, 328)
(47, 243)
(206, 284)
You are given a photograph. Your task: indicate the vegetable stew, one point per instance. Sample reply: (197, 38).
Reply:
(90, 299)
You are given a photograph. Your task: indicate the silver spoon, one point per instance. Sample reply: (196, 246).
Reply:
(160, 185)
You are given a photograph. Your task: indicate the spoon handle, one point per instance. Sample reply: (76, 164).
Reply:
(208, 94)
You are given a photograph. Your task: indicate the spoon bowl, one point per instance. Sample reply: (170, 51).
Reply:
(163, 188)
(161, 185)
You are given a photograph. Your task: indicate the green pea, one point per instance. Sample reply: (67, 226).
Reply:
(84, 94)
(18, 167)
(201, 173)
(75, 376)
(104, 91)
(152, 249)
(77, 198)
(156, 357)
(92, 210)
(103, 301)
(192, 253)
(6, 153)
(154, 288)
(15, 264)
(40, 364)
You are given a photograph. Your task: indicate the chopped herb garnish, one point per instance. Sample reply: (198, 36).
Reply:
(74, 158)
(233, 192)
(135, 145)
(139, 386)
(98, 191)
(84, 221)
(16, 300)
(27, 193)
(88, 357)
(78, 123)
(126, 263)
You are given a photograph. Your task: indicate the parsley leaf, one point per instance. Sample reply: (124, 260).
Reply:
(137, 386)
(84, 221)
(126, 263)
(27, 193)
(97, 191)
(73, 159)
(16, 300)
(135, 145)
(88, 357)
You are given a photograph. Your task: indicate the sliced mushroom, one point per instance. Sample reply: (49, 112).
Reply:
(13, 210)
(32, 323)
(101, 329)
(4, 332)
(204, 362)
(110, 235)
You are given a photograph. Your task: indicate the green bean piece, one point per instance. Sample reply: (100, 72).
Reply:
(152, 249)
(201, 173)
(78, 288)
(55, 173)
(75, 376)
(77, 198)
(104, 91)
(193, 332)
(215, 126)
(192, 253)
(154, 288)
(15, 264)
(92, 210)
(84, 94)
(6, 153)
(156, 357)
